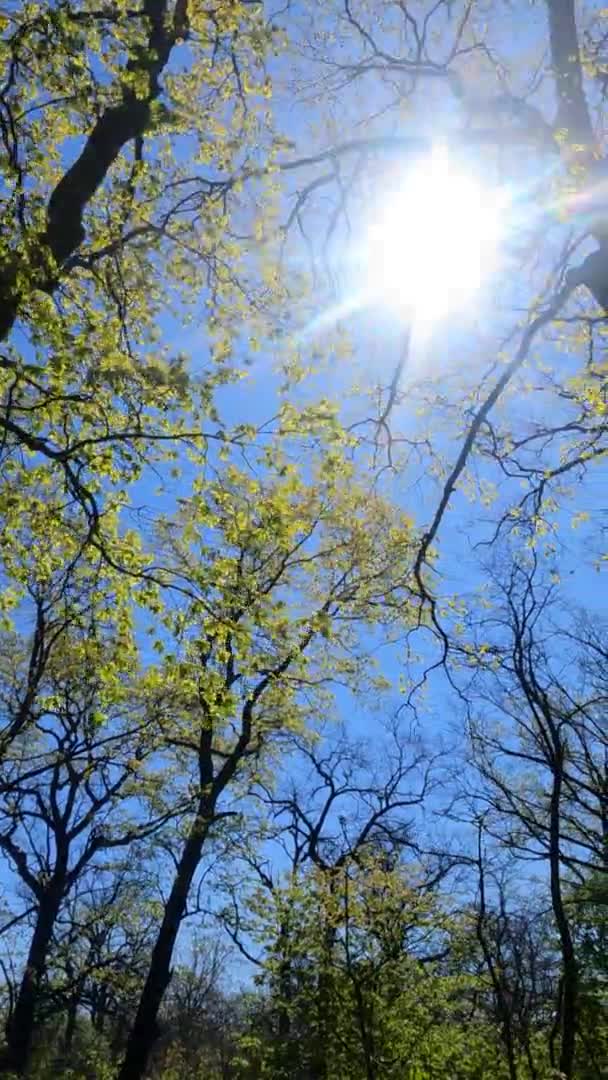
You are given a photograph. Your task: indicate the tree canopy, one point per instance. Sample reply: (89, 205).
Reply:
(303, 654)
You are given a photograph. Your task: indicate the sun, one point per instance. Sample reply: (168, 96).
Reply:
(433, 242)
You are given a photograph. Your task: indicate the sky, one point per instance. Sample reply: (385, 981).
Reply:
(454, 352)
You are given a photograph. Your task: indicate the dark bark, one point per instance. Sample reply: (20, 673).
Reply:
(572, 109)
(116, 127)
(286, 1048)
(502, 1004)
(573, 118)
(365, 1029)
(325, 1006)
(70, 1023)
(144, 1031)
(569, 982)
(593, 273)
(363, 1010)
(20, 1028)
(552, 736)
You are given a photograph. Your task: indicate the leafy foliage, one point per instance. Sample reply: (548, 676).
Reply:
(303, 762)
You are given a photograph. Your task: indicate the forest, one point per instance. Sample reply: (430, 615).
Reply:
(303, 540)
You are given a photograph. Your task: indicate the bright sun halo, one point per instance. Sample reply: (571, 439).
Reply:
(434, 242)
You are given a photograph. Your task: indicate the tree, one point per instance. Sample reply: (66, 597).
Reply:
(279, 577)
(522, 965)
(393, 982)
(555, 810)
(588, 905)
(103, 218)
(198, 1021)
(67, 785)
(371, 75)
(348, 806)
(166, 654)
(100, 949)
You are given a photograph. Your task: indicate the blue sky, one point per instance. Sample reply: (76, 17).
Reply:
(456, 354)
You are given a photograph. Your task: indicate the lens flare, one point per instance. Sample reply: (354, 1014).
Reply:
(433, 242)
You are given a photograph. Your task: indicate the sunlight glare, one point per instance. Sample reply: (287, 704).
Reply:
(434, 242)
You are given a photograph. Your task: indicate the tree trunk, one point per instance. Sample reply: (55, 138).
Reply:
(502, 1004)
(20, 1029)
(117, 125)
(285, 1064)
(325, 1005)
(71, 1018)
(569, 988)
(144, 1031)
